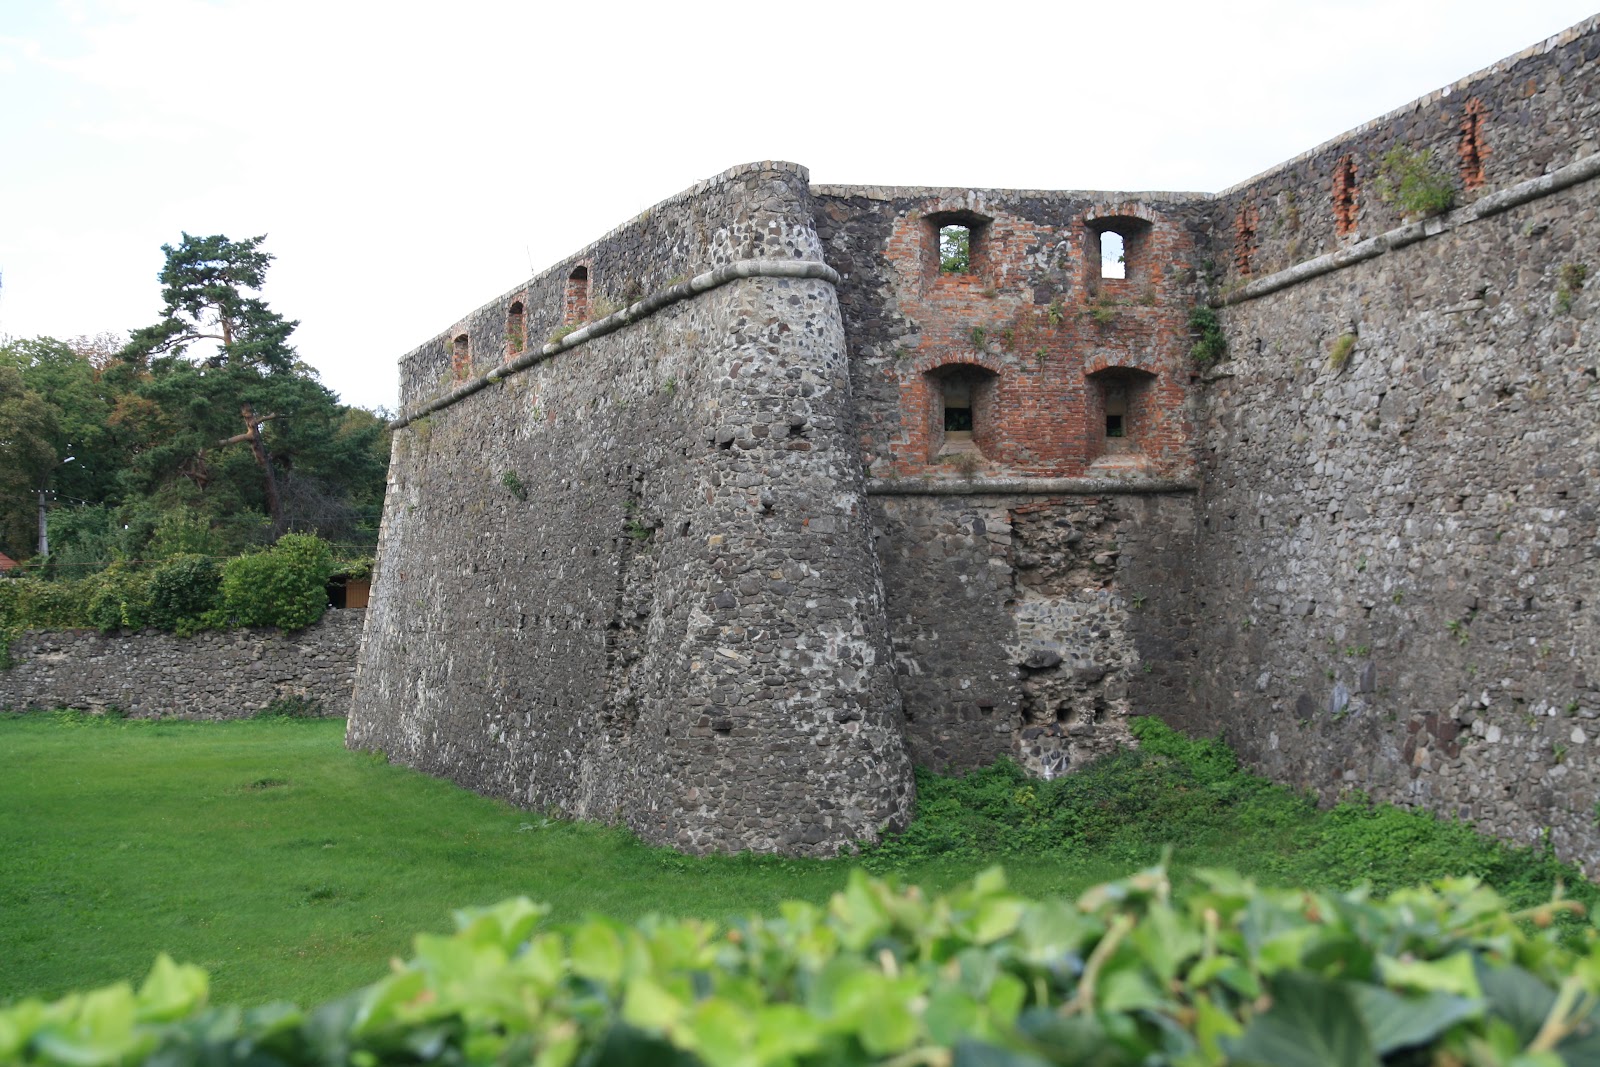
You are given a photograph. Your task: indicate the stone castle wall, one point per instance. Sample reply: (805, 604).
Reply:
(635, 580)
(212, 675)
(1398, 546)
(721, 563)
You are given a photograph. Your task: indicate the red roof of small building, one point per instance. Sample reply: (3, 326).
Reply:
(6, 563)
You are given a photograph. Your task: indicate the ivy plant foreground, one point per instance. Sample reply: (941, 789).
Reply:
(1130, 973)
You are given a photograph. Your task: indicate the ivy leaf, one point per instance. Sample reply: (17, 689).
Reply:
(1396, 1022)
(1453, 974)
(171, 991)
(997, 917)
(1127, 989)
(650, 1007)
(1312, 1023)
(1517, 997)
(597, 952)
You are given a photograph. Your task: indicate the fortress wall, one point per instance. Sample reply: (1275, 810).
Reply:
(1030, 626)
(708, 225)
(634, 582)
(1522, 117)
(1023, 582)
(1399, 556)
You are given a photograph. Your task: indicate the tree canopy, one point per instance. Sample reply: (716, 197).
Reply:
(201, 433)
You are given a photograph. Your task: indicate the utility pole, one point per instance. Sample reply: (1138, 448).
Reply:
(44, 524)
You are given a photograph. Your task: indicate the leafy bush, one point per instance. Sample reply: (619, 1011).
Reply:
(1129, 974)
(182, 591)
(121, 599)
(286, 586)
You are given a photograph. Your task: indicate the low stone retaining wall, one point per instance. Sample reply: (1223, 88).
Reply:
(213, 675)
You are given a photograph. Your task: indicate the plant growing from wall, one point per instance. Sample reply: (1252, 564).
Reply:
(1408, 182)
(1572, 277)
(510, 480)
(1339, 351)
(1210, 345)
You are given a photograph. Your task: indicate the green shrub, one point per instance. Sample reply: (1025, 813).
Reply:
(1131, 973)
(286, 586)
(182, 591)
(121, 599)
(53, 605)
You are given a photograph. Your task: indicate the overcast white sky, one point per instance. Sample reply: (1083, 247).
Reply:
(409, 161)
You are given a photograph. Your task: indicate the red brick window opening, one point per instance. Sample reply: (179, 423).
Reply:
(963, 415)
(577, 295)
(461, 355)
(954, 242)
(516, 329)
(1114, 247)
(1113, 255)
(1122, 397)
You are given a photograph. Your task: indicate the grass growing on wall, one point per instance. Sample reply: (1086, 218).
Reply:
(291, 868)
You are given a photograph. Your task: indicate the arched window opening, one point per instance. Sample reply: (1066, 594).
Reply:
(963, 411)
(1123, 415)
(1115, 249)
(461, 356)
(516, 329)
(577, 295)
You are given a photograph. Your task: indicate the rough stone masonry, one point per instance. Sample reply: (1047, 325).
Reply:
(719, 526)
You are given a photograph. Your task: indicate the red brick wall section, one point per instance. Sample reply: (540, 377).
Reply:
(1244, 236)
(1471, 145)
(1039, 415)
(1344, 196)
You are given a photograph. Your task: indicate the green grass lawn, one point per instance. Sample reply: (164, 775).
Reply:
(290, 868)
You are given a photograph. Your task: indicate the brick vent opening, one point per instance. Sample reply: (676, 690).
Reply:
(461, 356)
(1244, 237)
(1471, 147)
(1344, 196)
(516, 329)
(577, 297)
